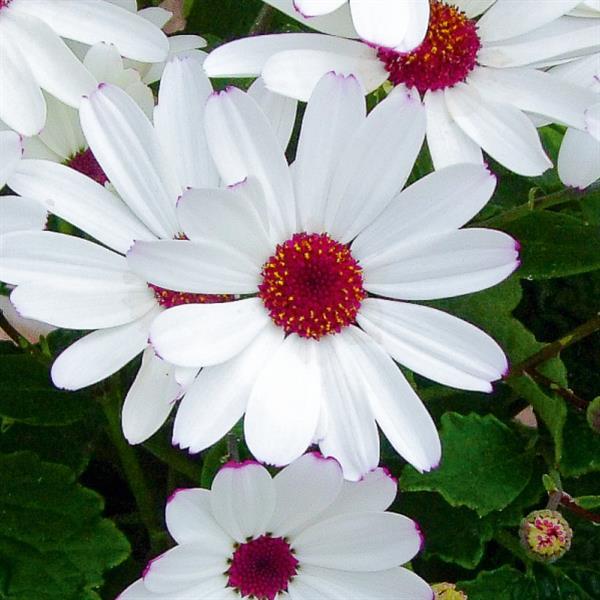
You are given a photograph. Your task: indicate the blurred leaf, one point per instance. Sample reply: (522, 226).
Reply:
(54, 544)
(484, 464)
(227, 19)
(505, 583)
(588, 502)
(581, 452)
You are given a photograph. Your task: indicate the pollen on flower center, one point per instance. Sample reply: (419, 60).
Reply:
(85, 162)
(262, 568)
(446, 56)
(312, 285)
(170, 298)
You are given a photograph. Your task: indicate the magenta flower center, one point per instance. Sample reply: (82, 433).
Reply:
(170, 298)
(446, 57)
(262, 567)
(312, 285)
(4, 3)
(85, 162)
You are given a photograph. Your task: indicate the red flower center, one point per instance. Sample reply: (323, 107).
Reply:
(85, 162)
(262, 568)
(446, 57)
(4, 3)
(312, 285)
(170, 298)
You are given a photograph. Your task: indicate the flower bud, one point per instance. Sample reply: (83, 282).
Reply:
(545, 535)
(448, 591)
(593, 414)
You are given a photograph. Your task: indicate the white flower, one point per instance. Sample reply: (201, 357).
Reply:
(579, 155)
(78, 284)
(303, 534)
(389, 23)
(11, 151)
(321, 248)
(476, 77)
(33, 56)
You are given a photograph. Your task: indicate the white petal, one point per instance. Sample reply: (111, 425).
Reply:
(502, 130)
(364, 184)
(184, 567)
(397, 583)
(443, 266)
(48, 57)
(150, 398)
(439, 202)
(246, 57)
(473, 8)
(11, 150)
(189, 519)
(434, 344)
(209, 267)
(55, 258)
(104, 62)
(283, 409)
(351, 435)
(21, 214)
(179, 121)
(592, 121)
(92, 21)
(80, 201)
(400, 25)
(100, 354)
(125, 144)
(22, 105)
(31, 330)
(280, 111)
(304, 489)
(242, 499)
(91, 305)
(447, 142)
(218, 397)
(295, 73)
(224, 216)
(398, 410)
(194, 335)
(535, 91)
(62, 132)
(243, 143)
(507, 19)
(581, 71)
(212, 585)
(313, 8)
(579, 159)
(358, 542)
(35, 148)
(334, 113)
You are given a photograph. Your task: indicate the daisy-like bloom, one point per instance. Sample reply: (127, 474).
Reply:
(321, 254)
(303, 534)
(579, 155)
(475, 77)
(387, 23)
(78, 284)
(33, 55)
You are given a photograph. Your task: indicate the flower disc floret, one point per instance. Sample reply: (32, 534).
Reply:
(85, 162)
(446, 57)
(312, 285)
(4, 3)
(262, 568)
(170, 298)
(546, 535)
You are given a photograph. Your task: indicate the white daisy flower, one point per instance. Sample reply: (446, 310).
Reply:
(77, 284)
(305, 533)
(475, 77)
(388, 23)
(326, 248)
(33, 55)
(579, 155)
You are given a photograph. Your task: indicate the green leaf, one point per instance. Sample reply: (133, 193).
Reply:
(588, 502)
(504, 583)
(28, 396)
(54, 544)
(554, 245)
(484, 464)
(581, 452)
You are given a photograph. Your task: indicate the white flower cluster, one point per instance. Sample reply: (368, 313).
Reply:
(283, 294)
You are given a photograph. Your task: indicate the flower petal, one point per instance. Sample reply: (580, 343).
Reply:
(18, 213)
(150, 398)
(11, 150)
(242, 499)
(215, 586)
(442, 266)
(314, 8)
(578, 164)
(283, 409)
(195, 335)
(434, 344)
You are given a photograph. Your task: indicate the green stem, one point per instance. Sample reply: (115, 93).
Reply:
(561, 197)
(263, 20)
(132, 469)
(177, 461)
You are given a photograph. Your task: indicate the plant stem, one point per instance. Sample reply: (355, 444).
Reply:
(132, 469)
(177, 461)
(561, 197)
(10, 331)
(571, 505)
(263, 20)
(567, 394)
